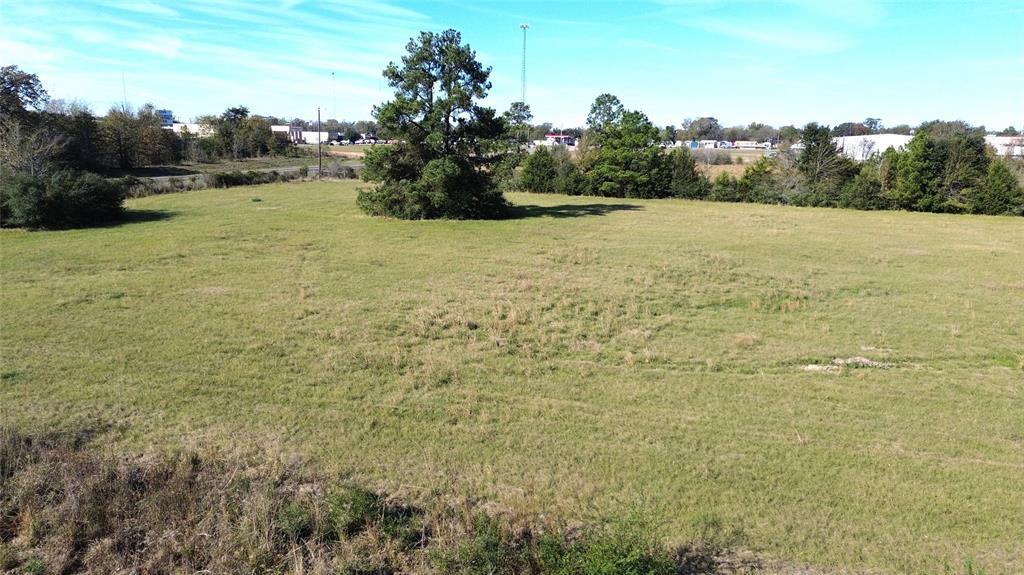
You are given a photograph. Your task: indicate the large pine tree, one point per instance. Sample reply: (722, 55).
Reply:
(441, 166)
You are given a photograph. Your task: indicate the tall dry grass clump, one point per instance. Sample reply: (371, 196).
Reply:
(66, 507)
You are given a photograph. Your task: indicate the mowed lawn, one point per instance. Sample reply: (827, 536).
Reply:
(597, 359)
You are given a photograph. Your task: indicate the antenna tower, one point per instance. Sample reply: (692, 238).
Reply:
(523, 97)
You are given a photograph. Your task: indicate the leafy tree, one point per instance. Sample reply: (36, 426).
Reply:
(851, 129)
(351, 135)
(121, 138)
(669, 135)
(706, 128)
(20, 91)
(28, 148)
(517, 118)
(83, 147)
(135, 138)
(874, 125)
(606, 111)
(440, 168)
(789, 134)
(1009, 131)
(864, 191)
(823, 167)
(628, 161)
(537, 131)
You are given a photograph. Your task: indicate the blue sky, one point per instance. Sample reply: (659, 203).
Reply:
(740, 61)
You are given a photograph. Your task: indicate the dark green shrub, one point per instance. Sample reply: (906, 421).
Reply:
(447, 188)
(864, 191)
(725, 189)
(758, 184)
(687, 181)
(539, 172)
(62, 199)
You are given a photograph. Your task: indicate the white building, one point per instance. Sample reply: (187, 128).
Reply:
(297, 135)
(194, 129)
(861, 148)
(1006, 145)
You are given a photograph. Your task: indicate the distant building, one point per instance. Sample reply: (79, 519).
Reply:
(860, 148)
(297, 135)
(1006, 145)
(194, 129)
(166, 118)
(559, 139)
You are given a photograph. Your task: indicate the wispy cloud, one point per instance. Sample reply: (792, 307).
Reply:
(860, 12)
(166, 46)
(779, 35)
(90, 35)
(144, 7)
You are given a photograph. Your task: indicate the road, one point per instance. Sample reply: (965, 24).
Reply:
(281, 170)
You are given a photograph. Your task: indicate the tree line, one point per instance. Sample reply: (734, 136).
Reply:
(709, 128)
(52, 150)
(454, 157)
(946, 167)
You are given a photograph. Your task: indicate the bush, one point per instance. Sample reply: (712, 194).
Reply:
(447, 188)
(864, 191)
(62, 199)
(539, 172)
(758, 184)
(687, 181)
(998, 193)
(336, 170)
(725, 189)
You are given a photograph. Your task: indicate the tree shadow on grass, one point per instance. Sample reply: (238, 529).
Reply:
(136, 217)
(518, 212)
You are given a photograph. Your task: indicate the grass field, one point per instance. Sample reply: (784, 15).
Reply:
(599, 359)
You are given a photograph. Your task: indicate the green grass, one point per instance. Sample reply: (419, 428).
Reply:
(599, 359)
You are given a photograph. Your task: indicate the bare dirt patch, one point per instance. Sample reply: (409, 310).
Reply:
(838, 364)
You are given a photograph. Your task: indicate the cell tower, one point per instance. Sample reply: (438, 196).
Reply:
(524, 27)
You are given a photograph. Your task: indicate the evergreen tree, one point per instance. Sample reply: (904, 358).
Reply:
(447, 142)
(999, 193)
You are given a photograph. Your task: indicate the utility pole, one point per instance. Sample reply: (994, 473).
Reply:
(319, 154)
(522, 98)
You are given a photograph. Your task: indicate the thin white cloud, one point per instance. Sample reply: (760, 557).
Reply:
(166, 46)
(145, 7)
(90, 35)
(779, 36)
